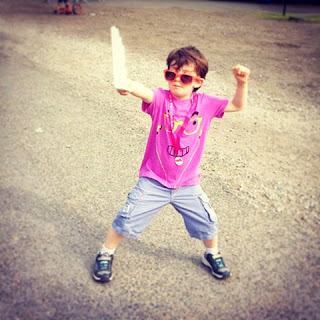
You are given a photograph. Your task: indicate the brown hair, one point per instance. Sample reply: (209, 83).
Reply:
(187, 55)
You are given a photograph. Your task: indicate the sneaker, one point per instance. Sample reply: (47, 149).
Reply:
(217, 266)
(103, 268)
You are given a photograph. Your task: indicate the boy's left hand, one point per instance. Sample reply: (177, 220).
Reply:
(241, 73)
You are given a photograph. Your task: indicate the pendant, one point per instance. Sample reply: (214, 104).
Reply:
(178, 161)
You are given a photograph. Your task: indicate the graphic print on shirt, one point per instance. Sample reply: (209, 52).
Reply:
(192, 128)
(189, 136)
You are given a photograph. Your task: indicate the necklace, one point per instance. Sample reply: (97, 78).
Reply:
(176, 134)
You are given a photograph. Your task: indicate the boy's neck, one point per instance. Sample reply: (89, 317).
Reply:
(188, 97)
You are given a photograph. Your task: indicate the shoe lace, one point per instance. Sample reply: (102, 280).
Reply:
(104, 263)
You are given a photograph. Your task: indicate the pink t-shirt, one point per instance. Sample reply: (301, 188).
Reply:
(171, 166)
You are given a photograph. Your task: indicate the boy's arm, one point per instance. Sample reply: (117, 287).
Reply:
(137, 89)
(239, 100)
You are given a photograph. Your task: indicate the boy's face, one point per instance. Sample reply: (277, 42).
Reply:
(179, 89)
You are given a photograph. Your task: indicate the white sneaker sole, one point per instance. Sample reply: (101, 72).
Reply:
(99, 279)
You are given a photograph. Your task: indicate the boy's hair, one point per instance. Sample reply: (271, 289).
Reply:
(187, 55)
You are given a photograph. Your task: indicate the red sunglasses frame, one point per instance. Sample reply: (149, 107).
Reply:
(180, 75)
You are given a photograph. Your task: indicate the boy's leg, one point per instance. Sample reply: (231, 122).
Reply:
(201, 222)
(113, 239)
(142, 204)
(211, 245)
(103, 264)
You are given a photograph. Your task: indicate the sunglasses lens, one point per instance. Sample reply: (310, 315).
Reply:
(186, 79)
(170, 75)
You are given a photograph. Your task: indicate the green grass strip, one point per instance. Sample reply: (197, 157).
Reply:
(278, 16)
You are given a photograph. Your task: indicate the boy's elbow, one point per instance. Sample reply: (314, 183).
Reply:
(233, 107)
(242, 106)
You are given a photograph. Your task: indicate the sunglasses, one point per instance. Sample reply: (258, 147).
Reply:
(184, 78)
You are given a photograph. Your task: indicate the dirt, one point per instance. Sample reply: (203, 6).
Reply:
(71, 148)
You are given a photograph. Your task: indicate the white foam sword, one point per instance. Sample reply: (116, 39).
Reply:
(120, 76)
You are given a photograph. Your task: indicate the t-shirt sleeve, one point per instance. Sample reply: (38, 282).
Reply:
(215, 107)
(220, 107)
(157, 98)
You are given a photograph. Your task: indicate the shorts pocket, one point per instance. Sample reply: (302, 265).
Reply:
(208, 207)
(132, 201)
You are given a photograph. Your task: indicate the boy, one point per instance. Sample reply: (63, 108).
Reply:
(169, 172)
(66, 9)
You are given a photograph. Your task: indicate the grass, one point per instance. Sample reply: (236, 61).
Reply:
(279, 16)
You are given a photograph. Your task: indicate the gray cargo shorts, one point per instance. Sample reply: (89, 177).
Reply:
(149, 196)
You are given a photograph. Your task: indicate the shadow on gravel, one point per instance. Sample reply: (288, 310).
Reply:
(48, 227)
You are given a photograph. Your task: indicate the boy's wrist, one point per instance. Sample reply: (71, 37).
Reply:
(242, 84)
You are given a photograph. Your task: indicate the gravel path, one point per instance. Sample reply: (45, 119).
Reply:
(71, 148)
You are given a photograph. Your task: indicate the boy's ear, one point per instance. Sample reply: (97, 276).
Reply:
(198, 82)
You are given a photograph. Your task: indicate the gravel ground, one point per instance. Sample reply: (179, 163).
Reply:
(71, 148)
